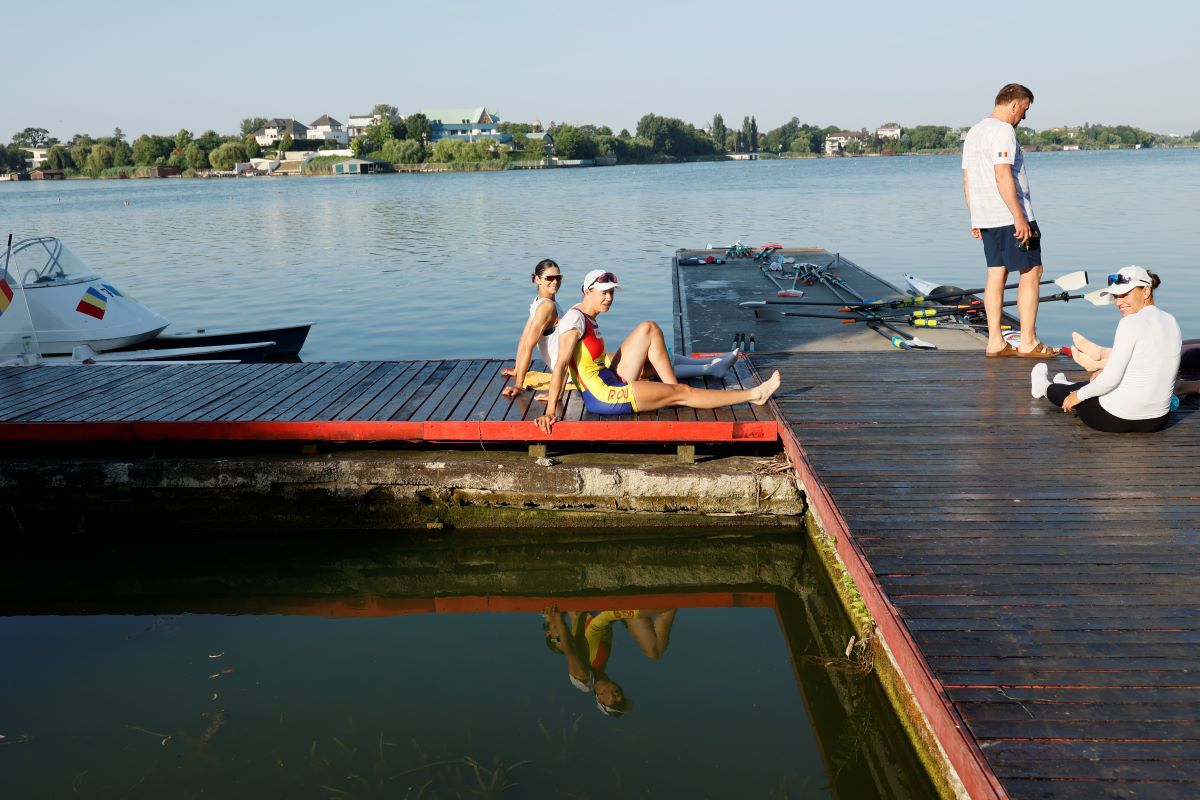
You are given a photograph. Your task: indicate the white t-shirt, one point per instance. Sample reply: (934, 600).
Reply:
(989, 143)
(1139, 378)
(548, 342)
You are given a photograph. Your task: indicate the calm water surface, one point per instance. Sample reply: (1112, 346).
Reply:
(410, 266)
(417, 266)
(318, 670)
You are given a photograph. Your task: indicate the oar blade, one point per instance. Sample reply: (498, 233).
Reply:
(1096, 298)
(1072, 281)
(920, 344)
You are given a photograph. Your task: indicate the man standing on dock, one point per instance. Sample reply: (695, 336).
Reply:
(997, 192)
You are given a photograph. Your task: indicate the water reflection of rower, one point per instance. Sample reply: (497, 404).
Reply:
(585, 638)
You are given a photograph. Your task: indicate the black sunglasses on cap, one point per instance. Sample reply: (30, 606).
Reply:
(607, 277)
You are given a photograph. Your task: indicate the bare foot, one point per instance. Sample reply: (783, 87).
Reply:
(541, 398)
(766, 389)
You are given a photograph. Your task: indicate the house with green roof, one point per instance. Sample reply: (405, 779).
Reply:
(465, 124)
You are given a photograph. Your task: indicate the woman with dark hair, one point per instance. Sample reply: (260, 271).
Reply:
(613, 387)
(1132, 393)
(539, 328)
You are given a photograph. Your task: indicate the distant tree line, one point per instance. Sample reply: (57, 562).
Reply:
(406, 140)
(94, 157)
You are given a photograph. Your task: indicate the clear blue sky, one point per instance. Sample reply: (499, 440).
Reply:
(154, 67)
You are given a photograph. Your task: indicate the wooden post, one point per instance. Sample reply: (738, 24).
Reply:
(685, 454)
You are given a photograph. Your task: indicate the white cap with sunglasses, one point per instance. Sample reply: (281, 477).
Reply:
(1124, 281)
(601, 280)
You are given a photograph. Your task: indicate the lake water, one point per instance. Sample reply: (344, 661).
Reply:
(413, 266)
(318, 704)
(252, 668)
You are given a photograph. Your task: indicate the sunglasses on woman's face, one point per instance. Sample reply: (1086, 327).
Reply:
(552, 278)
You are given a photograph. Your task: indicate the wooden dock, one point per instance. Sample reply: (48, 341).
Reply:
(706, 301)
(448, 401)
(1038, 583)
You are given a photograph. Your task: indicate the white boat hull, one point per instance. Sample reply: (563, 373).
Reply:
(53, 304)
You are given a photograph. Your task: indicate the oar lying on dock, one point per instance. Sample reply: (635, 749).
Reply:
(839, 288)
(874, 322)
(1069, 283)
(973, 308)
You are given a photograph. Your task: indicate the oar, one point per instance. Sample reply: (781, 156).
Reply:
(1094, 297)
(1069, 282)
(783, 291)
(976, 309)
(835, 284)
(871, 321)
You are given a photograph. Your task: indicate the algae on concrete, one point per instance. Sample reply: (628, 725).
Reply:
(391, 489)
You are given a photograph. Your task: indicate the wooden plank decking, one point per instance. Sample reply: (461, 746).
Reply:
(434, 401)
(1038, 581)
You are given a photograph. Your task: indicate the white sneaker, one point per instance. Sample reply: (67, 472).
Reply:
(1038, 382)
(1061, 378)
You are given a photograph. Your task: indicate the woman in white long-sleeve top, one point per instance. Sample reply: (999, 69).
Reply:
(1132, 394)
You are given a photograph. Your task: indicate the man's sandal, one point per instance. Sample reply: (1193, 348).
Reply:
(1041, 351)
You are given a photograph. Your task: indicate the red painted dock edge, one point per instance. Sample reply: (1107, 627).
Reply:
(378, 431)
(375, 605)
(961, 748)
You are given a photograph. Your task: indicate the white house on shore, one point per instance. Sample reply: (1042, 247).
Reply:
(357, 124)
(464, 124)
(836, 142)
(276, 129)
(36, 155)
(329, 129)
(889, 131)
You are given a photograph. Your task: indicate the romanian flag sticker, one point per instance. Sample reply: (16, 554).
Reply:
(1002, 154)
(92, 304)
(6, 295)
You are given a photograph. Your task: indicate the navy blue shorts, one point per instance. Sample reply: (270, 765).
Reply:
(1001, 248)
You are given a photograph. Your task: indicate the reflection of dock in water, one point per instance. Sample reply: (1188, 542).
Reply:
(513, 573)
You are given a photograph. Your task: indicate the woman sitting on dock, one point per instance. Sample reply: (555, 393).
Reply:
(615, 388)
(1132, 393)
(544, 314)
(1093, 358)
(539, 329)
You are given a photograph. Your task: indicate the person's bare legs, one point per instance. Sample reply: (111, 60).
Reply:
(652, 631)
(1087, 353)
(644, 344)
(1187, 387)
(1027, 307)
(993, 303)
(652, 396)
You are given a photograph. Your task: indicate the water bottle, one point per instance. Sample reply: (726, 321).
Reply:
(1174, 402)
